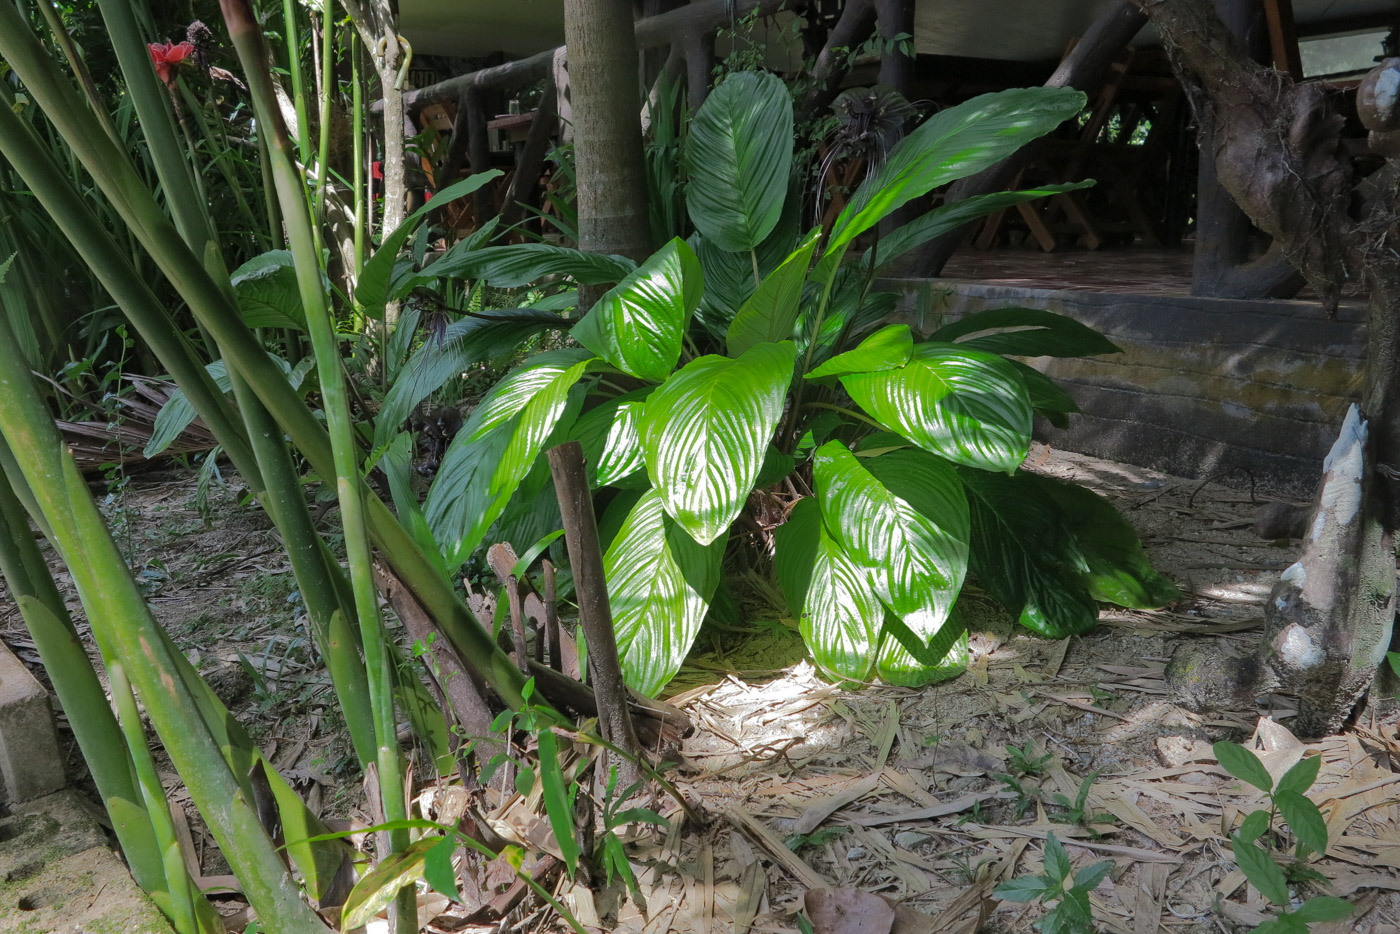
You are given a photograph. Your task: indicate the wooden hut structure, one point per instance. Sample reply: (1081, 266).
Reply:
(1227, 366)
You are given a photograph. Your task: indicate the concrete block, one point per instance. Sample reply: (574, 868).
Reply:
(30, 762)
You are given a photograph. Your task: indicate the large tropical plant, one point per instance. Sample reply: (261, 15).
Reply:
(752, 357)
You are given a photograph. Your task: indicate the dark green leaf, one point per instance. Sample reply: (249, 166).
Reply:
(966, 405)
(908, 660)
(769, 315)
(517, 264)
(705, 432)
(638, 326)
(776, 466)
(557, 805)
(1324, 908)
(1026, 332)
(795, 545)
(372, 288)
(1022, 556)
(1304, 819)
(951, 144)
(1088, 878)
(1021, 889)
(1057, 864)
(1243, 764)
(739, 153)
(659, 585)
(1300, 778)
(887, 349)
(949, 217)
(1114, 566)
(267, 292)
(1261, 871)
(1254, 826)
(1048, 400)
(438, 871)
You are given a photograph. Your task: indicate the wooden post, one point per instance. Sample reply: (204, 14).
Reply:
(586, 555)
(479, 153)
(1283, 38)
(530, 162)
(699, 66)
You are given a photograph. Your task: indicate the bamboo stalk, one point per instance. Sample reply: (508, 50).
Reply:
(247, 39)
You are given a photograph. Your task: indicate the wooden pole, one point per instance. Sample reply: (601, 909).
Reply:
(595, 614)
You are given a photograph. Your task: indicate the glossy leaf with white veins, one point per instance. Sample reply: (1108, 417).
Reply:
(908, 660)
(705, 432)
(739, 153)
(966, 405)
(838, 609)
(660, 582)
(612, 449)
(887, 349)
(903, 517)
(638, 325)
(514, 391)
(771, 312)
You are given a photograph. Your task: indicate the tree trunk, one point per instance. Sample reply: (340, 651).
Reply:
(605, 95)
(1277, 150)
(1082, 68)
(856, 24)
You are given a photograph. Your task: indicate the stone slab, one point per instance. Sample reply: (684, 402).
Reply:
(58, 874)
(1205, 387)
(31, 764)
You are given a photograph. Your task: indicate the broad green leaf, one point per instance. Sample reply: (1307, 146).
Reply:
(1261, 871)
(951, 144)
(966, 405)
(909, 660)
(266, 290)
(457, 502)
(739, 154)
(1088, 878)
(372, 288)
(769, 315)
(949, 217)
(536, 423)
(705, 431)
(1324, 908)
(378, 887)
(1304, 819)
(795, 545)
(177, 413)
(1022, 556)
(1026, 332)
(397, 463)
(612, 448)
(1115, 566)
(903, 517)
(1021, 889)
(516, 264)
(660, 582)
(1243, 764)
(556, 800)
(776, 466)
(465, 343)
(1254, 826)
(638, 325)
(515, 390)
(1048, 400)
(1057, 864)
(887, 349)
(1300, 778)
(841, 614)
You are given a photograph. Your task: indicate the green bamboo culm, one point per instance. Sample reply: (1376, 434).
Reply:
(323, 146)
(144, 220)
(247, 39)
(123, 625)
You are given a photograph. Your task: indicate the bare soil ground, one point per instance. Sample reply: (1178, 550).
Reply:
(883, 790)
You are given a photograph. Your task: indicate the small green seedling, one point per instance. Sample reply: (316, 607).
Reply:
(1024, 761)
(1025, 794)
(822, 835)
(1077, 811)
(1261, 864)
(1059, 884)
(610, 853)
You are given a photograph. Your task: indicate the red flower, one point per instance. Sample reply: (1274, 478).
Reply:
(376, 170)
(165, 56)
(427, 196)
